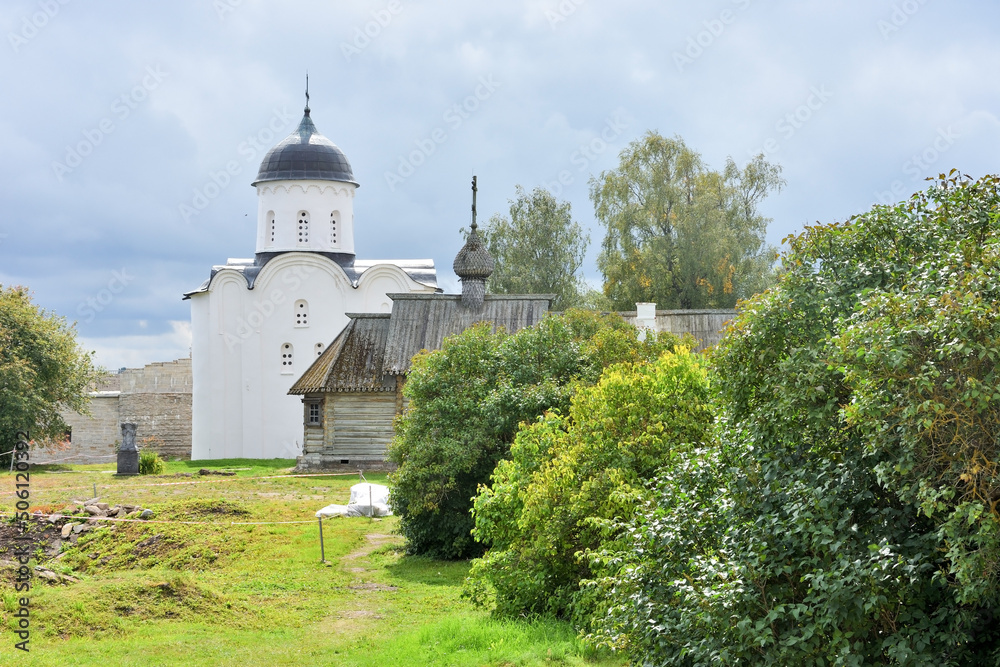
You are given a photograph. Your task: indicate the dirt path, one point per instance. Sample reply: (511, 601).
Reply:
(354, 563)
(373, 541)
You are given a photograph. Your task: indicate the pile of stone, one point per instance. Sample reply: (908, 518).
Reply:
(206, 471)
(92, 510)
(97, 509)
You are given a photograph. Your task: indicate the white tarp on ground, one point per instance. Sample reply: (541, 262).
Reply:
(366, 500)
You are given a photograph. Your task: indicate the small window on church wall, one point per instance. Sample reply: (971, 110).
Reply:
(301, 313)
(314, 413)
(270, 224)
(319, 349)
(303, 227)
(333, 228)
(286, 358)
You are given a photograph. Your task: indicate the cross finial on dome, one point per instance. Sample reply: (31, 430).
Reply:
(307, 93)
(474, 191)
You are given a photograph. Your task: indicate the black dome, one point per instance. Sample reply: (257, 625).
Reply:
(305, 154)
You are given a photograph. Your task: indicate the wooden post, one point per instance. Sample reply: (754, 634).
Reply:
(322, 553)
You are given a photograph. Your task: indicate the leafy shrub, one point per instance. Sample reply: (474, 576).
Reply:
(569, 478)
(851, 514)
(466, 402)
(150, 463)
(668, 560)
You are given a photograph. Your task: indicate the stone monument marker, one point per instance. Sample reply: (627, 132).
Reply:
(128, 453)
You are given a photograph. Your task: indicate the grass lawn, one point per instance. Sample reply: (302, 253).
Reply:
(221, 590)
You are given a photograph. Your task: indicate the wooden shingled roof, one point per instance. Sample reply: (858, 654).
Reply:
(373, 348)
(353, 361)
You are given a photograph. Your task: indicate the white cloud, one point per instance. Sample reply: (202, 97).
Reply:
(115, 352)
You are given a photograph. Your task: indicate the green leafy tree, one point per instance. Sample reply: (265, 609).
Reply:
(42, 370)
(851, 517)
(466, 402)
(538, 249)
(573, 481)
(679, 234)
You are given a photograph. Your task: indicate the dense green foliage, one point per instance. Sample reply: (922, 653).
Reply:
(849, 515)
(570, 478)
(679, 234)
(42, 370)
(538, 249)
(466, 402)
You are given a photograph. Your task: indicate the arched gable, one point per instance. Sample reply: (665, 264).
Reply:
(289, 271)
(382, 279)
(225, 276)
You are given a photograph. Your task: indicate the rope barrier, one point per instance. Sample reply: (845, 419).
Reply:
(217, 524)
(67, 458)
(202, 481)
(92, 519)
(191, 523)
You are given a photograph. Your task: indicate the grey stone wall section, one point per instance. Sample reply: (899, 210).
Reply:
(161, 377)
(94, 435)
(161, 415)
(157, 398)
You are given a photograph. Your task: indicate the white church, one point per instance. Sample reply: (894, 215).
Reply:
(258, 324)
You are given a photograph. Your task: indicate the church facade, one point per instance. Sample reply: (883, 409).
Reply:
(258, 324)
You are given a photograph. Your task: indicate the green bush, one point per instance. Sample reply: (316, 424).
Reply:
(572, 481)
(150, 463)
(850, 517)
(466, 402)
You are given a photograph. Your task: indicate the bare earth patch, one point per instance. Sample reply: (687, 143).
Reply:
(358, 613)
(374, 541)
(372, 587)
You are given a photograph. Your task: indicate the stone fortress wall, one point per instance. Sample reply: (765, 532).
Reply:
(157, 398)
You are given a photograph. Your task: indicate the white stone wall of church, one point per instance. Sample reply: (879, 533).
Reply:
(286, 199)
(241, 404)
(203, 402)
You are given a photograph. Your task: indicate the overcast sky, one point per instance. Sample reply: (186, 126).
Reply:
(118, 122)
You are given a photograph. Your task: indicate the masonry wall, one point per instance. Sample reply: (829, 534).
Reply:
(92, 436)
(157, 398)
(161, 377)
(166, 417)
